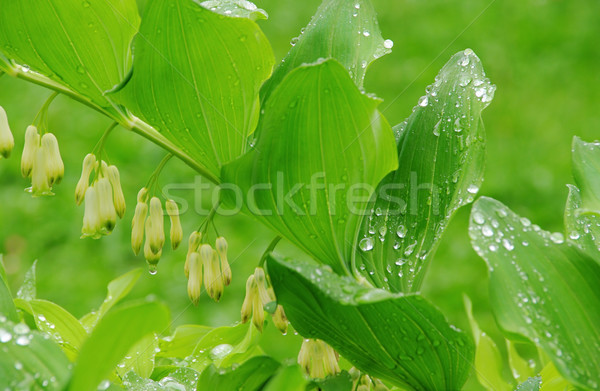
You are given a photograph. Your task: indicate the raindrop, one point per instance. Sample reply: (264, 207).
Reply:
(473, 189)
(464, 61)
(22, 340)
(557, 237)
(507, 244)
(366, 33)
(401, 231)
(574, 235)
(357, 6)
(25, 68)
(423, 101)
(220, 351)
(478, 218)
(388, 44)
(363, 64)
(366, 244)
(18, 366)
(487, 231)
(104, 384)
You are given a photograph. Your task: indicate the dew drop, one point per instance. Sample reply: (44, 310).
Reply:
(388, 44)
(5, 336)
(366, 244)
(22, 340)
(473, 189)
(507, 244)
(423, 101)
(366, 33)
(401, 231)
(357, 6)
(557, 237)
(478, 218)
(487, 231)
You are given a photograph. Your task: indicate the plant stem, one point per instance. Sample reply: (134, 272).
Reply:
(130, 123)
(269, 250)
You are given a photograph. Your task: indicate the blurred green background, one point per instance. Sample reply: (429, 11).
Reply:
(543, 55)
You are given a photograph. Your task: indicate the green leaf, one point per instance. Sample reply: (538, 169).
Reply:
(399, 338)
(237, 8)
(196, 79)
(531, 384)
(250, 376)
(583, 229)
(287, 378)
(179, 378)
(57, 322)
(83, 45)
(29, 361)
(339, 382)
(586, 171)
(542, 289)
(345, 30)
(225, 346)
(521, 369)
(27, 290)
(323, 148)
(553, 381)
(488, 361)
(112, 338)
(183, 342)
(440, 168)
(7, 306)
(140, 357)
(117, 290)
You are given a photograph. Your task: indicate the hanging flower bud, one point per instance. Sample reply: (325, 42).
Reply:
(118, 197)
(32, 143)
(108, 215)
(142, 195)
(54, 164)
(212, 275)
(91, 217)
(137, 226)
(249, 298)
(318, 359)
(156, 235)
(193, 244)
(176, 230)
(195, 278)
(7, 141)
(221, 247)
(280, 320)
(88, 165)
(152, 257)
(261, 281)
(258, 312)
(40, 186)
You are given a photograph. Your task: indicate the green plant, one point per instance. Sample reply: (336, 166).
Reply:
(301, 149)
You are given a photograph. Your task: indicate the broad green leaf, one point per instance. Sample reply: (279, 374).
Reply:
(583, 229)
(250, 376)
(399, 338)
(27, 290)
(553, 381)
(531, 384)
(440, 168)
(57, 322)
(183, 342)
(542, 289)
(112, 338)
(81, 44)
(179, 379)
(117, 290)
(322, 150)
(520, 368)
(196, 78)
(339, 382)
(345, 30)
(237, 8)
(7, 306)
(586, 170)
(29, 361)
(225, 346)
(140, 357)
(287, 378)
(488, 361)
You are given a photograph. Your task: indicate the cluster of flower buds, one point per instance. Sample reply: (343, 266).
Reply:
(258, 296)
(318, 359)
(365, 382)
(41, 162)
(104, 199)
(7, 141)
(153, 227)
(208, 265)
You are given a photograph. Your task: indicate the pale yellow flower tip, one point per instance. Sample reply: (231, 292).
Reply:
(176, 233)
(248, 299)
(84, 180)
(91, 216)
(195, 278)
(221, 247)
(108, 214)
(137, 226)
(54, 165)
(118, 197)
(32, 143)
(40, 185)
(7, 141)
(193, 243)
(156, 235)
